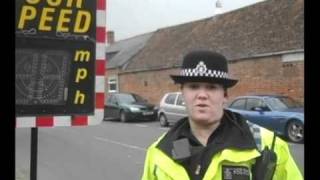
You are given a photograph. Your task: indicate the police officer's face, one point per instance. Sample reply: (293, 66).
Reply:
(204, 101)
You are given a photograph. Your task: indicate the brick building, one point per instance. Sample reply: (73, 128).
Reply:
(264, 45)
(118, 56)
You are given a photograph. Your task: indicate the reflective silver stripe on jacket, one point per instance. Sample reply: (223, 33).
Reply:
(255, 130)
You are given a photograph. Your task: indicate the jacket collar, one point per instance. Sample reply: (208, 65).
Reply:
(232, 133)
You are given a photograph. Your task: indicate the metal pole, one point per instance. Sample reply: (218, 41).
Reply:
(34, 152)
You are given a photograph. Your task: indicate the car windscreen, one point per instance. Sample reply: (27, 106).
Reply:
(129, 98)
(282, 103)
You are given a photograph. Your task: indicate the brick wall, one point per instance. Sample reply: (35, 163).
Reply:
(151, 85)
(268, 75)
(259, 76)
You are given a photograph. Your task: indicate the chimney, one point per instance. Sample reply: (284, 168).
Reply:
(218, 8)
(110, 37)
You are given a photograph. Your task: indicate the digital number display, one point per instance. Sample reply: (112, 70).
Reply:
(54, 79)
(42, 77)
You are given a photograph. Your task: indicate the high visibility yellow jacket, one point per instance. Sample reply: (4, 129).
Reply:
(159, 166)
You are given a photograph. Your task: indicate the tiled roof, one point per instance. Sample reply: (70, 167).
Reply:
(122, 51)
(266, 27)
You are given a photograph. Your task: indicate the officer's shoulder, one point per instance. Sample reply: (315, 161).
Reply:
(156, 142)
(267, 135)
(237, 117)
(253, 127)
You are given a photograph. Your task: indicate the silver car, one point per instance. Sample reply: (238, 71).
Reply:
(171, 109)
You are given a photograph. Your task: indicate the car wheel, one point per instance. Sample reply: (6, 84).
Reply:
(163, 120)
(295, 131)
(123, 117)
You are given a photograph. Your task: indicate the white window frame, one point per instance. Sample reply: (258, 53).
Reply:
(292, 57)
(113, 80)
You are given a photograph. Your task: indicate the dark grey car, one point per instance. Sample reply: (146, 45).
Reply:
(127, 107)
(171, 108)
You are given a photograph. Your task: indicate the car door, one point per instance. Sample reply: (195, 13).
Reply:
(169, 107)
(111, 108)
(180, 108)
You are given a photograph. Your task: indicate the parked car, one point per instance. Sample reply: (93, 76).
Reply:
(171, 108)
(127, 107)
(276, 112)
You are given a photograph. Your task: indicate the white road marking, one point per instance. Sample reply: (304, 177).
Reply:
(141, 125)
(119, 143)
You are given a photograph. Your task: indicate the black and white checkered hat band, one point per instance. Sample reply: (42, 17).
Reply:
(207, 73)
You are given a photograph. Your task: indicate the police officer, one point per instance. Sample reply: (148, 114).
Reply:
(213, 143)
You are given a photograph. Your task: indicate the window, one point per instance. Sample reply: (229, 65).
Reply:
(111, 99)
(171, 98)
(180, 101)
(254, 103)
(282, 103)
(113, 84)
(239, 104)
(251, 103)
(126, 98)
(139, 98)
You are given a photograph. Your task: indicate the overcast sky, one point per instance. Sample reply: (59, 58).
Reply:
(128, 18)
